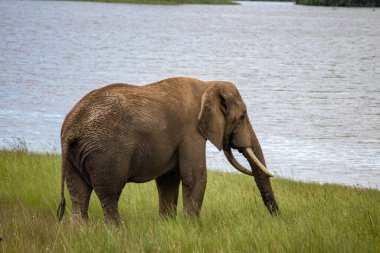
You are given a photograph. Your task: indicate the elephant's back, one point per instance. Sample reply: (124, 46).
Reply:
(96, 113)
(127, 109)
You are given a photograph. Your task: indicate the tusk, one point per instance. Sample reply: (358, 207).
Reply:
(252, 158)
(235, 163)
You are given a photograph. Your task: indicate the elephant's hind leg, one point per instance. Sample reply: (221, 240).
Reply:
(80, 192)
(109, 200)
(108, 178)
(168, 188)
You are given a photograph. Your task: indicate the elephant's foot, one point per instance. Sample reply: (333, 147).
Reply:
(192, 212)
(193, 199)
(78, 217)
(113, 219)
(168, 213)
(193, 193)
(111, 214)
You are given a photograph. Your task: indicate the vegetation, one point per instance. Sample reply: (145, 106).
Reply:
(342, 3)
(265, 0)
(314, 218)
(163, 1)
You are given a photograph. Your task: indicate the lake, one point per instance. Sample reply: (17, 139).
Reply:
(310, 76)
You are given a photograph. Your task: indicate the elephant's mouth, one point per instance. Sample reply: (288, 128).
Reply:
(227, 143)
(252, 159)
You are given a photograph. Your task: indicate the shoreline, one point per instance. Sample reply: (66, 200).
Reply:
(55, 153)
(160, 2)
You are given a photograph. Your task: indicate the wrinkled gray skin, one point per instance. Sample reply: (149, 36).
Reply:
(123, 133)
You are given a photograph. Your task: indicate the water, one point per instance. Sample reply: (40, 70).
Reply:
(309, 75)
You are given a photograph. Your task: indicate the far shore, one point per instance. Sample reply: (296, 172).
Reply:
(334, 3)
(341, 3)
(163, 2)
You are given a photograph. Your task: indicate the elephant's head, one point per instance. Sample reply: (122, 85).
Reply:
(224, 121)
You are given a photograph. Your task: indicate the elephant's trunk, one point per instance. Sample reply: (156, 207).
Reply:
(260, 173)
(261, 178)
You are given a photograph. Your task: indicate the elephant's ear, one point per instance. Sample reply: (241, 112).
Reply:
(211, 120)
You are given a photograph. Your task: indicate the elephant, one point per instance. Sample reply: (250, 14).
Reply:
(122, 133)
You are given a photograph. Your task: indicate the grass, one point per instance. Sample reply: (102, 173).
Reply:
(314, 218)
(225, 2)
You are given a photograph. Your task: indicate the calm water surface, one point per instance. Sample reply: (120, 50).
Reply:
(309, 75)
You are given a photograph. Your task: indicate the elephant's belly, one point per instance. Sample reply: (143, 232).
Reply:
(149, 167)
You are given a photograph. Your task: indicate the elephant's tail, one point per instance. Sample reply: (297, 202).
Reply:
(62, 203)
(61, 209)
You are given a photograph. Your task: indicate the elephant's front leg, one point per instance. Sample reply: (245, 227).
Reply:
(168, 187)
(192, 158)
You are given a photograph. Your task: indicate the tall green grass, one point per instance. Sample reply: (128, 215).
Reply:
(314, 218)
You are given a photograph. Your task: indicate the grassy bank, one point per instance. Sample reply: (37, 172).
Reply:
(313, 218)
(162, 1)
(342, 3)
